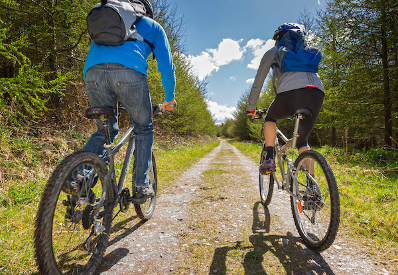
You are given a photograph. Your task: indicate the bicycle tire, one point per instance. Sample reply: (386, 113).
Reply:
(61, 245)
(266, 183)
(145, 210)
(317, 214)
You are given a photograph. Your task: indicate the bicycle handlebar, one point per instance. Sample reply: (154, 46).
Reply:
(260, 114)
(156, 109)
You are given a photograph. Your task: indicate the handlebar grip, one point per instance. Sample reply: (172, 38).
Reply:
(158, 109)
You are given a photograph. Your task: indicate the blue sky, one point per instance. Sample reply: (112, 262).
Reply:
(225, 40)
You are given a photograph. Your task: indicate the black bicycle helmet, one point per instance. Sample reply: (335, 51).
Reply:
(282, 29)
(148, 8)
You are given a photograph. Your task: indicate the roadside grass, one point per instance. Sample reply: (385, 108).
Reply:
(26, 162)
(368, 187)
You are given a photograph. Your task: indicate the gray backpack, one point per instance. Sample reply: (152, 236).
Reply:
(111, 22)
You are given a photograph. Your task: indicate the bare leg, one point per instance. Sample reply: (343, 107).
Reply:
(269, 133)
(309, 163)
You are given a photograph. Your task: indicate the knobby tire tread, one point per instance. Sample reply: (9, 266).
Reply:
(270, 189)
(44, 220)
(334, 199)
(139, 208)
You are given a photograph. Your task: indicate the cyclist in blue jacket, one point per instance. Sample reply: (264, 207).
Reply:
(115, 73)
(295, 90)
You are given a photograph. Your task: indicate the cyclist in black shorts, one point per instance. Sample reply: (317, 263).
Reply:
(295, 90)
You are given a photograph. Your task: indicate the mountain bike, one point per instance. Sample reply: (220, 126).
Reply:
(310, 183)
(72, 230)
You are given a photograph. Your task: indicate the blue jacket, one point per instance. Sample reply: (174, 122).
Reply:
(133, 54)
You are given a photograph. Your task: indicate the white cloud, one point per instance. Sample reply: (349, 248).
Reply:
(233, 78)
(220, 112)
(210, 60)
(259, 47)
(228, 51)
(202, 65)
(250, 81)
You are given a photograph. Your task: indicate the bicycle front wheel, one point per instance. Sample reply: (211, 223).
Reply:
(67, 239)
(145, 210)
(317, 213)
(266, 183)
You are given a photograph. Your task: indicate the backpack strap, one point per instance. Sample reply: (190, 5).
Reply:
(151, 46)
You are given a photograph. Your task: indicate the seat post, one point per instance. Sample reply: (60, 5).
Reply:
(106, 129)
(295, 132)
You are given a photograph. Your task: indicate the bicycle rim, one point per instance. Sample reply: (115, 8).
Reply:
(317, 214)
(65, 221)
(145, 210)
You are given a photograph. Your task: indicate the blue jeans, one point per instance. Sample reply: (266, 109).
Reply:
(106, 84)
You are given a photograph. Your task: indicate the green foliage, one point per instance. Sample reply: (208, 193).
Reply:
(240, 128)
(359, 70)
(38, 47)
(27, 93)
(226, 128)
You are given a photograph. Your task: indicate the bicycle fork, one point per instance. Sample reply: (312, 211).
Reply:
(290, 179)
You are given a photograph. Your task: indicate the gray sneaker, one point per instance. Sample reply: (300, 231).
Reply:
(142, 193)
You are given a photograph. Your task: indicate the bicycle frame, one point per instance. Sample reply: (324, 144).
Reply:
(112, 150)
(281, 154)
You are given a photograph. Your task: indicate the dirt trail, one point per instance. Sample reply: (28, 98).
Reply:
(158, 246)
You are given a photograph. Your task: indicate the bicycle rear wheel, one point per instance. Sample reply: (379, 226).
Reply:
(64, 240)
(266, 183)
(145, 210)
(317, 213)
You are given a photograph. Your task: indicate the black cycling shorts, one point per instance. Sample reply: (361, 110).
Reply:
(286, 103)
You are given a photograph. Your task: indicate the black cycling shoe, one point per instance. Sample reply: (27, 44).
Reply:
(142, 193)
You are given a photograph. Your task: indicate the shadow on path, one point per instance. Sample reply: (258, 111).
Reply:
(291, 253)
(113, 257)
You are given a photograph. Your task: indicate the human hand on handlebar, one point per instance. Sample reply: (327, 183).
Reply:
(168, 106)
(251, 113)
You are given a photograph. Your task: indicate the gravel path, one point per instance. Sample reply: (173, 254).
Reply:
(154, 247)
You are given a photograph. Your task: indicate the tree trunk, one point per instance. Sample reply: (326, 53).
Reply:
(386, 83)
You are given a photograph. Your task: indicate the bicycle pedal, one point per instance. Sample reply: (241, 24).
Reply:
(139, 201)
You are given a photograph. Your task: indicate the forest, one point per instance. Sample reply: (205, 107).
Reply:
(359, 72)
(44, 44)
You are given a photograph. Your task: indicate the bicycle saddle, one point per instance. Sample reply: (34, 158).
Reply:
(306, 113)
(96, 112)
